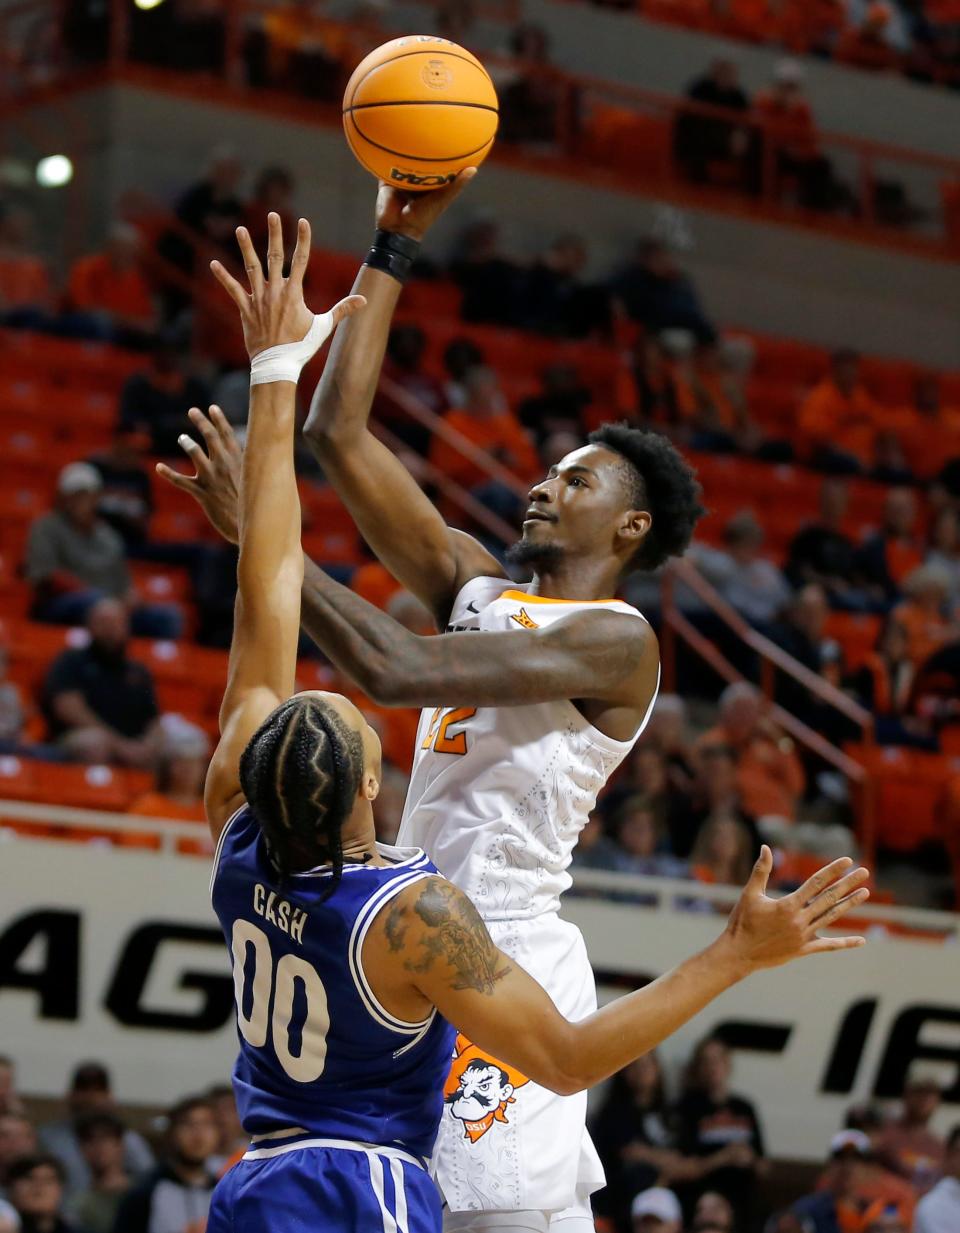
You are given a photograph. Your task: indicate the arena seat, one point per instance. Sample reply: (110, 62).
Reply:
(909, 784)
(857, 634)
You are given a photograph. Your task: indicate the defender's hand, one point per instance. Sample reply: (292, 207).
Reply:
(413, 214)
(216, 485)
(273, 312)
(765, 933)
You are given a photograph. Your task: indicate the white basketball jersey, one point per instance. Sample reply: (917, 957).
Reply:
(498, 795)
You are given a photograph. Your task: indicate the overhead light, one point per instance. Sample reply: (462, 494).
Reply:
(146, 5)
(54, 171)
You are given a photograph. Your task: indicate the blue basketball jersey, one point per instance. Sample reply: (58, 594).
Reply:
(317, 1050)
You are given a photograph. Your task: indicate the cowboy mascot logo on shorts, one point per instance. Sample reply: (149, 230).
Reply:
(479, 1088)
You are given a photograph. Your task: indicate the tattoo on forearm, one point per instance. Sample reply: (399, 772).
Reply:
(456, 934)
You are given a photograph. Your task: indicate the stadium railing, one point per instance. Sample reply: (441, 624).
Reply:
(623, 135)
(771, 659)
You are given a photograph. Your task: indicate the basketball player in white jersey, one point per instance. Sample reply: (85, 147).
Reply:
(529, 709)
(533, 698)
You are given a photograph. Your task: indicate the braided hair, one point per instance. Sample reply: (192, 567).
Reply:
(301, 773)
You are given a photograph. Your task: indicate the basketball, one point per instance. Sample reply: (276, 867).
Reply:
(418, 110)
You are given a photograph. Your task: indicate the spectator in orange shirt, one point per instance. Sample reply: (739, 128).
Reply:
(838, 418)
(488, 423)
(923, 613)
(110, 289)
(924, 415)
(770, 776)
(26, 296)
(789, 130)
(854, 1189)
(867, 45)
(181, 771)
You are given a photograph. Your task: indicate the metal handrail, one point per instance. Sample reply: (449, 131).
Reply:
(771, 656)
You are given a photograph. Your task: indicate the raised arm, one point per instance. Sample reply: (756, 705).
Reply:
(279, 330)
(604, 655)
(432, 942)
(391, 511)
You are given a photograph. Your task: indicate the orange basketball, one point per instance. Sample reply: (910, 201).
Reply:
(418, 110)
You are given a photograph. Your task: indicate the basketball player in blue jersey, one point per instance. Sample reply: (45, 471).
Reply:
(350, 958)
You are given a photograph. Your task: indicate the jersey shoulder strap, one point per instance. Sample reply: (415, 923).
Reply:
(474, 596)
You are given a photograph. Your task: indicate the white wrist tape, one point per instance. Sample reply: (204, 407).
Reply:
(285, 363)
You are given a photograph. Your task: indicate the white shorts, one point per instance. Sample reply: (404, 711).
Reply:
(530, 1150)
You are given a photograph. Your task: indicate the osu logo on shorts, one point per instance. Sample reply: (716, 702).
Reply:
(479, 1088)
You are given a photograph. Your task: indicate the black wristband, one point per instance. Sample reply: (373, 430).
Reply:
(394, 254)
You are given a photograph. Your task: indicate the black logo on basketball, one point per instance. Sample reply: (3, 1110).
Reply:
(411, 177)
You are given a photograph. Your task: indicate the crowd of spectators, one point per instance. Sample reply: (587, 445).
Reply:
(690, 1159)
(697, 1163)
(679, 374)
(918, 38)
(90, 1172)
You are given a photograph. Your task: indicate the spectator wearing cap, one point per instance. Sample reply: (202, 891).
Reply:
(100, 1136)
(853, 1189)
(839, 418)
(74, 559)
(110, 289)
(656, 1210)
(655, 292)
(100, 704)
(939, 1210)
(702, 140)
(156, 400)
(909, 1146)
(36, 1188)
(89, 1093)
(746, 579)
(175, 1197)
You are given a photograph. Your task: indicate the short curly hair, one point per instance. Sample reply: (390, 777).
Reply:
(661, 481)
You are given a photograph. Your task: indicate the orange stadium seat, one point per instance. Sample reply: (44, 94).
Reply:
(908, 785)
(857, 634)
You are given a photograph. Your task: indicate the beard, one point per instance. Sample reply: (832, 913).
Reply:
(540, 557)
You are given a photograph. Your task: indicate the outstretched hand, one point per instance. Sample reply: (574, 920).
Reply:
(413, 214)
(273, 312)
(216, 484)
(766, 932)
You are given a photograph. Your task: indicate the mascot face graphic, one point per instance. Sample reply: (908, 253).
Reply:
(479, 1088)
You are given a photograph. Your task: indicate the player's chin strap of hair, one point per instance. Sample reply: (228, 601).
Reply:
(285, 363)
